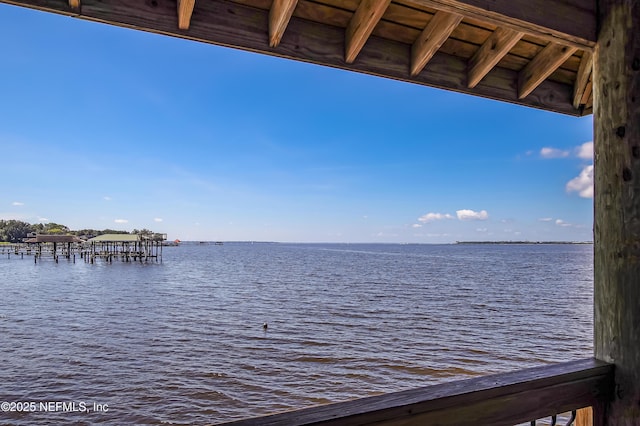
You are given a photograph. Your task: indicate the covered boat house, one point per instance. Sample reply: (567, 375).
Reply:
(50, 243)
(574, 57)
(126, 247)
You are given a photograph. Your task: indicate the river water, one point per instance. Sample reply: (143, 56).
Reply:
(182, 342)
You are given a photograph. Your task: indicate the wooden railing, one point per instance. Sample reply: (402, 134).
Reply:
(500, 399)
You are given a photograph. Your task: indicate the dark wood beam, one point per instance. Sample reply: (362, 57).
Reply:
(616, 77)
(230, 24)
(501, 399)
(434, 34)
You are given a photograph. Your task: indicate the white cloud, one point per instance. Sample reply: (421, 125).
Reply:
(121, 221)
(157, 219)
(43, 219)
(545, 219)
(107, 198)
(481, 230)
(416, 225)
(583, 183)
(561, 222)
(585, 151)
(430, 217)
(472, 215)
(548, 152)
(17, 203)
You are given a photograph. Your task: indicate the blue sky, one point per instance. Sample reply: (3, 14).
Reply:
(104, 127)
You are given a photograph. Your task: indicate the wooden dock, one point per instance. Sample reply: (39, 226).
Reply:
(107, 247)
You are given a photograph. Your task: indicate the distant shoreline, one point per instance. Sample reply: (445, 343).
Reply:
(524, 242)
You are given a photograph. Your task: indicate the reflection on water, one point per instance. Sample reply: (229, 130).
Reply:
(182, 341)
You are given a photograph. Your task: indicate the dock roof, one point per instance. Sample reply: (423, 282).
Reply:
(44, 238)
(119, 238)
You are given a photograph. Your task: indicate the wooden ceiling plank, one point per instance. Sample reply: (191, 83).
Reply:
(434, 34)
(361, 25)
(584, 72)
(541, 67)
(279, 16)
(185, 9)
(570, 23)
(490, 53)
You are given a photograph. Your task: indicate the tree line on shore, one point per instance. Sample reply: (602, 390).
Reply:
(14, 231)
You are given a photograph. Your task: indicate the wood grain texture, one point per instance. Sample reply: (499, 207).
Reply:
(279, 16)
(616, 69)
(185, 10)
(582, 79)
(490, 53)
(570, 22)
(502, 399)
(543, 65)
(361, 25)
(584, 417)
(431, 38)
(231, 24)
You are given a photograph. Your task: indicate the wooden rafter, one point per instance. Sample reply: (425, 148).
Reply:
(361, 25)
(541, 67)
(435, 33)
(582, 79)
(74, 4)
(319, 38)
(185, 9)
(570, 22)
(279, 16)
(490, 53)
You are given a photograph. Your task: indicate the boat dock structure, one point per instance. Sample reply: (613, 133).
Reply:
(126, 247)
(107, 247)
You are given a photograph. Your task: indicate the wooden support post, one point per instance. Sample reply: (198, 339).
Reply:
(617, 204)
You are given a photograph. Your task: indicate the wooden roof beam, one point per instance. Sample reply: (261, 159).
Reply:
(279, 17)
(185, 9)
(582, 79)
(361, 25)
(227, 23)
(435, 33)
(541, 67)
(490, 53)
(569, 22)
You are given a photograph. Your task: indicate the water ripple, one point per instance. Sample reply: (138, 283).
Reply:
(181, 342)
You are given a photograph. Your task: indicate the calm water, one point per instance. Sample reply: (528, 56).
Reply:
(182, 342)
